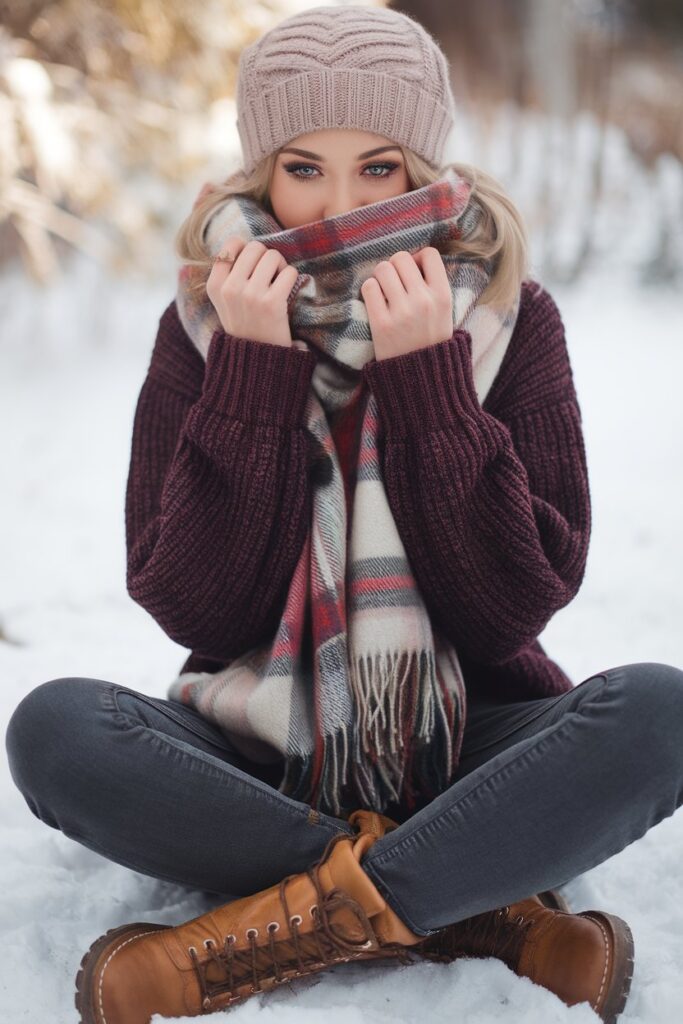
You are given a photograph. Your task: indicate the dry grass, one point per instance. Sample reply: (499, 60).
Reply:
(101, 101)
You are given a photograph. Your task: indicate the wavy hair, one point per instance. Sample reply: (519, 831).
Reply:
(500, 236)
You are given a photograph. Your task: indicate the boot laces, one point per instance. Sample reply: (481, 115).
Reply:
(491, 933)
(279, 960)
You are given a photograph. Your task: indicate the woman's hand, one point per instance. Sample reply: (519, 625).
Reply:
(408, 309)
(250, 295)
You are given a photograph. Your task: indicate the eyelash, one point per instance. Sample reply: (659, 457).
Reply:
(292, 168)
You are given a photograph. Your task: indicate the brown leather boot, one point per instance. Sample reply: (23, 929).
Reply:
(580, 957)
(553, 898)
(330, 913)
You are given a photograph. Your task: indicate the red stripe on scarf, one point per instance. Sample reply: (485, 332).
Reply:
(322, 237)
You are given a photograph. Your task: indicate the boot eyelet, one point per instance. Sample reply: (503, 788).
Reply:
(273, 926)
(519, 919)
(296, 917)
(313, 910)
(252, 931)
(231, 938)
(208, 942)
(192, 949)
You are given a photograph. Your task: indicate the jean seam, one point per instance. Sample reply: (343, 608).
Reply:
(312, 814)
(535, 714)
(254, 786)
(406, 840)
(196, 728)
(393, 901)
(532, 716)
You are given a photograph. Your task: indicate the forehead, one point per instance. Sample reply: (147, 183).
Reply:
(332, 137)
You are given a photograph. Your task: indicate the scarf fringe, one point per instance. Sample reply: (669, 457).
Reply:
(403, 744)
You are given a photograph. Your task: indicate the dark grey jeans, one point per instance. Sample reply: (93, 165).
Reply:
(546, 789)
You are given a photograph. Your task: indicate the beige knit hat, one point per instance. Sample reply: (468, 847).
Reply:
(344, 67)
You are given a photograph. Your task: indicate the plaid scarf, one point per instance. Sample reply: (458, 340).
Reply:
(357, 691)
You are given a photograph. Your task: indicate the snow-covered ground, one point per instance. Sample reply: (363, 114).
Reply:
(73, 360)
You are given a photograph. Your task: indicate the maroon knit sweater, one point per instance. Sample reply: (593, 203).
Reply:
(492, 502)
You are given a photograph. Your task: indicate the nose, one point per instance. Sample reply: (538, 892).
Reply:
(343, 204)
(337, 211)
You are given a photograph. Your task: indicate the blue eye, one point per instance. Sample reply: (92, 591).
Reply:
(293, 170)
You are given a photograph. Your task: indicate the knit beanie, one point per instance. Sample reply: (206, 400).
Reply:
(354, 66)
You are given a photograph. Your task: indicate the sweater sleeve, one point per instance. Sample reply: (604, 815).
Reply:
(493, 510)
(218, 491)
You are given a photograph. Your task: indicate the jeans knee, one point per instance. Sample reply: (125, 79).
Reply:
(37, 741)
(655, 684)
(653, 706)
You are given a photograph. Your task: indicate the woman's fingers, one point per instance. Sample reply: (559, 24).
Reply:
(269, 264)
(285, 279)
(390, 282)
(430, 262)
(220, 270)
(254, 265)
(248, 257)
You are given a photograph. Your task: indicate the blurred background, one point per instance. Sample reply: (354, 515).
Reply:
(111, 111)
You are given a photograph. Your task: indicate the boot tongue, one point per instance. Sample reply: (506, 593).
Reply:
(372, 822)
(342, 871)
(370, 826)
(386, 924)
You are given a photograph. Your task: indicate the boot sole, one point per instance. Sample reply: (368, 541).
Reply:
(86, 997)
(86, 1000)
(622, 963)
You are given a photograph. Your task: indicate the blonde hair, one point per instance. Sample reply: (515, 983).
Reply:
(500, 235)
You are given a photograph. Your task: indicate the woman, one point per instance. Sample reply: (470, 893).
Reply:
(358, 492)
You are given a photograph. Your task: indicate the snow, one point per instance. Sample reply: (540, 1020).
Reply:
(69, 384)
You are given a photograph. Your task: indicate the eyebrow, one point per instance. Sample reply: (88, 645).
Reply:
(361, 156)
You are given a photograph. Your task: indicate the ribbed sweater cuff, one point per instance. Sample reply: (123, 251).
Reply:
(256, 381)
(427, 389)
